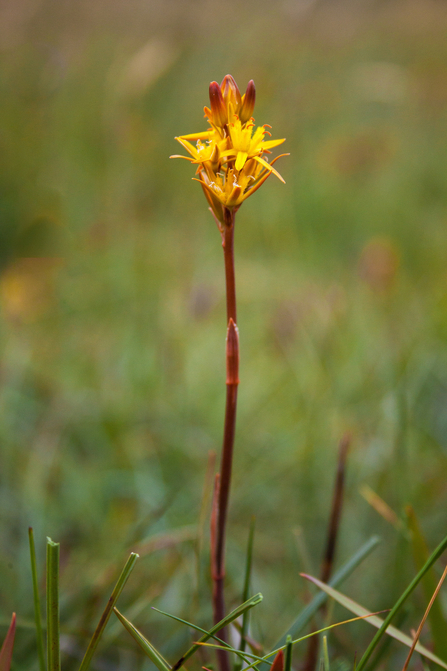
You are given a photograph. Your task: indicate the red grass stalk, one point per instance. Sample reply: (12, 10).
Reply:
(311, 658)
(222, 492)
(337, 503)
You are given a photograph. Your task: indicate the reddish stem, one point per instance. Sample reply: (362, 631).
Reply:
(310, 662)
(232, 381)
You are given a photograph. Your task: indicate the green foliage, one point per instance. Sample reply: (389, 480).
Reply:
(37, 608)
(383, 626)
(53, 625)
(111, 604)
(438, 624)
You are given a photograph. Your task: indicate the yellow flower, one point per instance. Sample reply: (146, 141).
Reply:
(230, 157)
(244, 145)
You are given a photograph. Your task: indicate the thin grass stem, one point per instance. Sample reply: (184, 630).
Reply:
(151, 651)
(428, 564)
(53, 626)
(108, 611)
(344, 572)
(419, 629)
(289, 652)
(246, 591)
(36, 598)
(331, 540)
(218, 627)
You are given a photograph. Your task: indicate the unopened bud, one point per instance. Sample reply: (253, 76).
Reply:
(218, 111)
(234, 196)
(248, 102)
(214, 158)
(230, 92)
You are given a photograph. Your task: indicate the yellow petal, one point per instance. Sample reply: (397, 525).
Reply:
(205, 135)
(269, 167)
(240, 160)
(272, 143)
(180, 156)
(258, 135)
(228, 152)
(256, 186)
(188, 146)
(211, 190)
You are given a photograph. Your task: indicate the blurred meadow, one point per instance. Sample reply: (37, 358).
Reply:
(112, 371)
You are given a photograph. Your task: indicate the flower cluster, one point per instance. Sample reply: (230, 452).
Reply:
(230, 156)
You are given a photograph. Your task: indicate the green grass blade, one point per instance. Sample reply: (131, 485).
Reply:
(37, 607)
(224, 644)
(289, 650)
(326, 665)
(376, 621)
(247, 580)
(8, 645)
(344, 572)
(144, 644)
(438, 624)
(382, 650)
(240, 610)
(53, 646)
(428, 564)
(193, 626)
(266, 658)
(125, 573)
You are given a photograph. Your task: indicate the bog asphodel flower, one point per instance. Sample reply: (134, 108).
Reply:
(231, 156)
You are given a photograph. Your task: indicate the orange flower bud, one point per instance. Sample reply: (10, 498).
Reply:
(248, 102)
(230, 92)
(218, 109)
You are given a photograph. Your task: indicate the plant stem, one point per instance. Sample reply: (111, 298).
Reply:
(125, 573)
(53, 627)
(37, 610)
(311, 661)
(232, 382)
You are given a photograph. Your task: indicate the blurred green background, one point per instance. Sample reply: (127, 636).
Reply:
(113, 315)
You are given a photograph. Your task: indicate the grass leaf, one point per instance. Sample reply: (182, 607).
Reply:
(422, 622)
(289, 650)
(278, 662)
(37, 606)
(224, 644)
(240, 610)
(438, 623)
(326, 665)
(147, 647)
(376, 621)
(246, 590)
(53, 633)
(266, 658)
(8, 645)
(428, 564)
(108, 611)
(309, 611)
